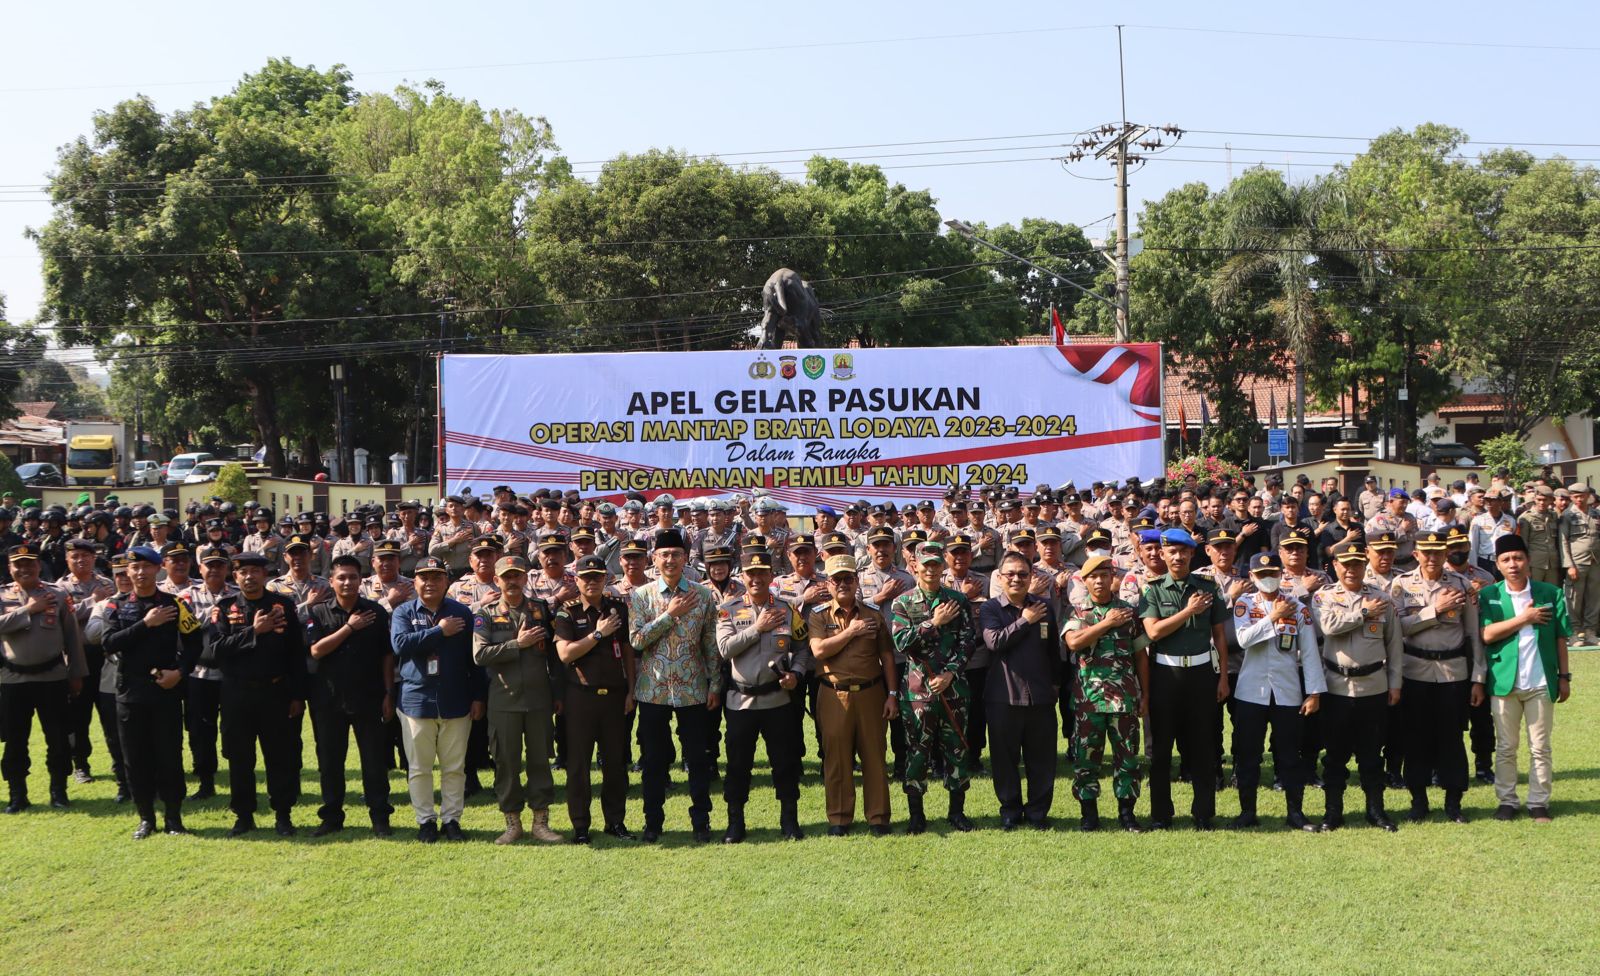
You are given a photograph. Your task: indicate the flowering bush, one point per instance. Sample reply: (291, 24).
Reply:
(1201, 467)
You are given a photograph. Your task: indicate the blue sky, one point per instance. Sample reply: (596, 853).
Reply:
(954, 71)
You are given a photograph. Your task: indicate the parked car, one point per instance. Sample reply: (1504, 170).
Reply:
(146, 473)
(1451, 455)
(40, 475)
(179, 467)
(205, 471)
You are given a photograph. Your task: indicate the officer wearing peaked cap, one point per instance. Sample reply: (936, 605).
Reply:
(43, 661)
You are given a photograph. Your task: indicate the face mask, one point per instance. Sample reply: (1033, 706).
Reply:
(1268, 585)
(1098, 552)
(1457, 558)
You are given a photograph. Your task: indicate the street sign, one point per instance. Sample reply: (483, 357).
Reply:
(1278, 442)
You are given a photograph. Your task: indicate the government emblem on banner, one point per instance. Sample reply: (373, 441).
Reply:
(786, 366)
(843, 366)
(762, 369)
(813, 365)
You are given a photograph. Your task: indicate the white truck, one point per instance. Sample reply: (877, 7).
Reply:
(97, 453)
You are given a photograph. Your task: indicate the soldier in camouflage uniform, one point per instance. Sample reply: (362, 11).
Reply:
(1104, 639)
(932, 627)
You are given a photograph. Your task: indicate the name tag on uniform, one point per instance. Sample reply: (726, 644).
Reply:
(433, 666)
(744, 616)
(1286, 642)
(1044, 630)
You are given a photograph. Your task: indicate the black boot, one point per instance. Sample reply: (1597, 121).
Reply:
(1089, 812)
(19, 797)
(1333, 809)
(735, 834)
(1296, 820)
(958, 812)
(58, 793)
(789, 821)
(1377, 816)
(1125, 817)
(917, 821)
(206, 789)
(1419, 806)
(123, 796)
(1452, 807)
(1247, 810)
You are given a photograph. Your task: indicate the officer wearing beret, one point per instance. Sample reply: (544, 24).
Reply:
(511, 642)
(258, 641)
(764, 642)
(157, 642)
(42, 668)
(591, 634)
(1362, 654)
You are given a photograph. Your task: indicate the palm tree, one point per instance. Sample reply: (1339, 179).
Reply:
(1285, 235)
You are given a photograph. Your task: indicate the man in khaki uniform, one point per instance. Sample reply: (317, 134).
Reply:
(1579, 537)
(854, 657)
(511, 642)
(41, 664)
(1362, 654)
(1443, 661)
(1539, 527)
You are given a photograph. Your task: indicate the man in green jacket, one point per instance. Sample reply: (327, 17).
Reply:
(1525, 631)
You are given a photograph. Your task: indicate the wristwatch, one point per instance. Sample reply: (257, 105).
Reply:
(1565, 677)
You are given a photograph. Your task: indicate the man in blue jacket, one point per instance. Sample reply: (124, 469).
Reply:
(442, 692)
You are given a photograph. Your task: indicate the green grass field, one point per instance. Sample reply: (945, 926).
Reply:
(81, 897)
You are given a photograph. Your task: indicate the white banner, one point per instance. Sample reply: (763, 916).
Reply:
(814, 427)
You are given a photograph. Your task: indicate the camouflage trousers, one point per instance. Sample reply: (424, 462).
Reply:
(1089, 745)
(930, 728)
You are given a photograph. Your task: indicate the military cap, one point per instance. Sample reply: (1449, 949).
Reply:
(455, 498)
(880, 534)
(1353, 551)
(555, 540)
(1264, 560)
(720, 554)
(590, 565)
(1299, 535)
(249, 559)
(159, 519)
(488, 543)
(832, 541)
(1149, 535)
(510, 564)
(756, 559)
(1008, 505)
(605, 508)
(137, 553)
(1023, 535)
(958, 505)
(431, 564)
(1457, 536)
(925, 505)
(913, 537)
(1221, 537)
(119, 562)
(1177, 536)
(670, 539)
(958, 541)
(1096, 563)
(550, 503)
(386, 547)
(1544, 491)
(663, 501)
(1144, 520)
(633, 505)
(930, 552)
(1046, 533)
(297, 541)
(83, 545)
(879, 509)
(286, 520)
(582, 533)
(633, 547)
(1383, 540)
(1097, 535)
(213, 554)
(216, 525)
(1435, 541)
(1445, 504)
(753, 540)
(175, 549)
(839, 565)
(26, 550)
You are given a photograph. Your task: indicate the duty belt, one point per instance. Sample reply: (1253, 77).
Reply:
(1183, 661)
(597, 689)
(837, 685)
(756, 690)
(31, 668)
(1360, 671)
(1427, 655)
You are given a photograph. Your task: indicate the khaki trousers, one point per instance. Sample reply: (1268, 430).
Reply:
(852, 725)
(1511, 712)
(1583, 599)
(444, 740)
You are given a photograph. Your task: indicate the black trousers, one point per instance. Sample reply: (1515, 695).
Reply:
(1482, 737)
(1432, 716)
(1250, 723)
(152, 749)
(655, 743)
(334, 727)
(105, 703)
(1182, 710)
(1024, 734)
(774, 726)
(798, 699)
(260, 713)
(1354, 726)
(202, 710)
(593, 718)
(978, 717)
(897, 732)
(80, 710)
(1069, 722)
(1224, 709)
(18, 703)
(477, 746)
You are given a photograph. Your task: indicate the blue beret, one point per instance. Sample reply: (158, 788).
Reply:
(1178, 537)
(1150, 535)
(145, 553)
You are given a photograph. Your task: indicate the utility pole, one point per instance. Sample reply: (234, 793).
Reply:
(1111, 142)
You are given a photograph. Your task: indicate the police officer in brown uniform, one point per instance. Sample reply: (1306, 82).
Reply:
(1443, 655)
(592, 640)
(1362, 653)
(854, 655)
(42, 667)
(1539, 527)
(511, 641)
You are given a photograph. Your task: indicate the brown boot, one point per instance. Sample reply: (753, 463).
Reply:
(513, 829)
(539, 828)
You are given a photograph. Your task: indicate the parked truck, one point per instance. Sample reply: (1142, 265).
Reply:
(97, 453)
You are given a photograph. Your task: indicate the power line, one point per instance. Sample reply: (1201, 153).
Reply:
(1360, 39)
